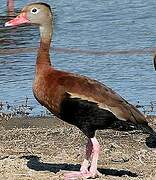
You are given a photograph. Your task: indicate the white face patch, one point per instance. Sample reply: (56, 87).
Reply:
(35, 10)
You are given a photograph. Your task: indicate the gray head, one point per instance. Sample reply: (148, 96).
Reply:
(35, 13)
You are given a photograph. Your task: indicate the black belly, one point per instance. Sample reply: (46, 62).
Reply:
(86, 115)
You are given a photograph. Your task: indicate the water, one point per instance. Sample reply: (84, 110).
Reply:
(97, 25)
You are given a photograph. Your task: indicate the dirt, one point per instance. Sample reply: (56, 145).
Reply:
(46, 148)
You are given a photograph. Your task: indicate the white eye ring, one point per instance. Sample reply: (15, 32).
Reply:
(34, 10)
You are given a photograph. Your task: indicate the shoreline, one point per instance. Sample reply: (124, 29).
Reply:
(41, 148)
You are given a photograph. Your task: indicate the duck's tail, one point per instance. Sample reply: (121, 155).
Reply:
(147, 129)
(151, 140)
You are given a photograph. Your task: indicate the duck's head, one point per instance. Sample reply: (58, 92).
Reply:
(35, 13)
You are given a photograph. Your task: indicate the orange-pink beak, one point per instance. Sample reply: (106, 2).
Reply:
(20, 19)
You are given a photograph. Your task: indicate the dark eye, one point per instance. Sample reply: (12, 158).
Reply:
(34, 10)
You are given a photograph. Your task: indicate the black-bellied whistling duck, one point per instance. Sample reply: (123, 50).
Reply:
(78, 100)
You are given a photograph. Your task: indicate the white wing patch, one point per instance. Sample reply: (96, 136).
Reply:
(100, 105)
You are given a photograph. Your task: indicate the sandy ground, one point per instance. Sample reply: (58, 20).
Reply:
(46, 148)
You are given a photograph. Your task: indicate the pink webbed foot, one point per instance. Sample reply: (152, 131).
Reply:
(89, 166)
(77, 175)
(90, 174)
(84, 167)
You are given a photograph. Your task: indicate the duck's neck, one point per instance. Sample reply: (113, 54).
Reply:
(43, 58)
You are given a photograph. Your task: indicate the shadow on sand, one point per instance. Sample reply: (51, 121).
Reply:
(35, 164)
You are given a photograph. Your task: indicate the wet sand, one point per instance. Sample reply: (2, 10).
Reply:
(46, 148)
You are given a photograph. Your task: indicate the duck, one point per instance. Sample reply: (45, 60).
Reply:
(76, 99)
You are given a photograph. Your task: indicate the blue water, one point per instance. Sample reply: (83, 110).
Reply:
(110, 25)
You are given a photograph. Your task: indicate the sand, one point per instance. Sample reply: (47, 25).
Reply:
(45, 148)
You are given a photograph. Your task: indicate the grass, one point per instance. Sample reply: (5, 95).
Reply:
(23, 109)
(9, 110)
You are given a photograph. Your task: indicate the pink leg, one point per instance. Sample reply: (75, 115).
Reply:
(92, 154)
(93, 172)
(86, 163)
